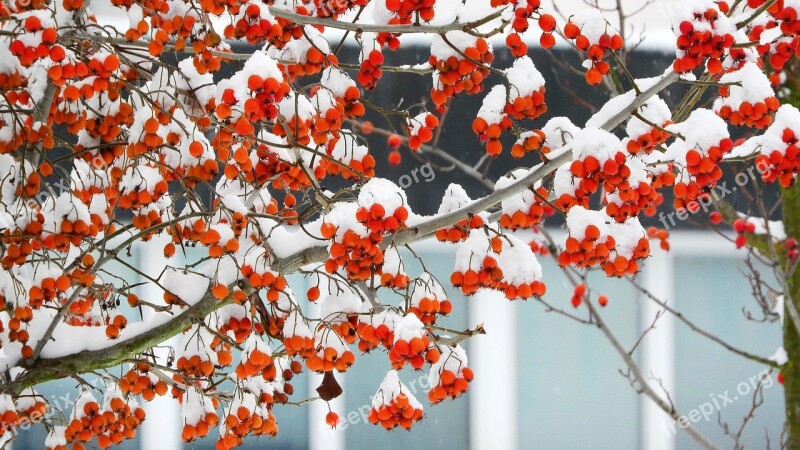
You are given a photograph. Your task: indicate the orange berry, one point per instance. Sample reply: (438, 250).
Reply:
(219, 291)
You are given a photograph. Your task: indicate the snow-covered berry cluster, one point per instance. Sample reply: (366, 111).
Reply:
(461, 70)
(526, 90)
(747, 97)
(647, 131)
(455, 198)
(420, 129)
(594, 35)
(429, 300)
(411, 344)
(394, 405)
(704, 34)
(778, 149)
(526, 209)
(449, 377)
(492, 120)
(702, 143)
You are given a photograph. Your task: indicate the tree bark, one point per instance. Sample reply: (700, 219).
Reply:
(791, 340)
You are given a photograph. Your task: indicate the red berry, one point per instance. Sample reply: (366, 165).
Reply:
(395, 158)
(394, 141)
(367, 127)
(715, 217)
(739, 226)
(602, 300)
(332, 419)
(571, 31)
(547, 23)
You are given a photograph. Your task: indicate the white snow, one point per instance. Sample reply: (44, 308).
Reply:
(391, 388)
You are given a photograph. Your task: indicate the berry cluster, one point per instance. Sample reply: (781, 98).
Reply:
(47, 289)
(411, 344)
(525, 209)
(140, 381)
(115, 325)
(371, 58)
(589, 243)
(747, 97)
(382, 206)
(246, 416)
(407, 10)
(71, 228)
(526, 90)
(253, 93)
(331, 353)
(255, 359)
(376, 329)
(203, 416)
(312, 59)
(578, 293)
(392, 272)
(648, 141)
(264, 278)
(117, 420)
(705, 35)
(481, 268)
(704, 169)
(357, 254)
(359, 163)
(491, 120)
(394, 405)
(753, 115)
(195, 366)
(40, 42)
(661, 235)
(460, 230)
(420, 129)
(428, 300)
(629, 201)
(594, 41)
(643, 136)
(255, 24)
(782, 166)
(454, 73)
(449, 377)
(743, 228)
(516, 45)
(602, 165)
(529, 141)
(297, 111)
(297, 337)
(522, 273)
(623, 265)
(638, 193)
(792, 249)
